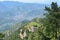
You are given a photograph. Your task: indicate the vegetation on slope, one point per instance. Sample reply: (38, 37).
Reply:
(47, 28)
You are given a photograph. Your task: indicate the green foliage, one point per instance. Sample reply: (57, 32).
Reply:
(47, 28)
(2, 35)
(31, 35)
(52, 22)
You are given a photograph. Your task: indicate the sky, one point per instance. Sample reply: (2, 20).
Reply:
(35, 1)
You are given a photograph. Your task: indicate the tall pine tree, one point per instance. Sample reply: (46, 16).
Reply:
(52, 22)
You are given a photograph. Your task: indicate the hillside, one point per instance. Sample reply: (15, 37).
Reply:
(25, 21)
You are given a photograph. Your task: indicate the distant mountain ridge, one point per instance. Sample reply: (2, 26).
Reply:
(12, 12)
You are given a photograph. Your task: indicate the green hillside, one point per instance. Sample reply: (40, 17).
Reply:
(46, 28)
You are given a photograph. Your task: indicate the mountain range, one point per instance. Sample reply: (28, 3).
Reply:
(12, 12)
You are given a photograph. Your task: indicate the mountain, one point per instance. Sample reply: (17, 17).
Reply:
(12, 12)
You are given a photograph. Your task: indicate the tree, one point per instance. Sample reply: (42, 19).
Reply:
(2, 36)
(52, 21)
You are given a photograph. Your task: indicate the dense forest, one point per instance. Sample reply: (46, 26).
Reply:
(46, 28)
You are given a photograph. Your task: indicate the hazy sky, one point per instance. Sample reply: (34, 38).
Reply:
(34, 1)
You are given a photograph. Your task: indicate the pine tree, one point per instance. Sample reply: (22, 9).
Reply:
(52, 19)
